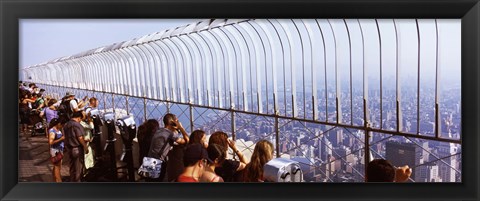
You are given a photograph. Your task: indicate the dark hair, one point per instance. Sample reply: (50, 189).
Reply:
(196, 137)
(51, 102)
(168, 119)
(31, 84)
(148, 128)
(219, 138)
(77, 114)
(54, 122)
(380, 170)
(216, 152)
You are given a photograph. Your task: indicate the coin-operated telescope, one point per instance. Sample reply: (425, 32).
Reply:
(282, 170)
(109, 119)
(97, 132)
(128, 131)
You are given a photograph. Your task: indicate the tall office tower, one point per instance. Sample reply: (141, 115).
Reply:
(336, 137)
(401, 153)
(446, 168)
(428, 173)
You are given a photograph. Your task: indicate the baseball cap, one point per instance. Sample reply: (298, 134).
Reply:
(195, 152)
(69, 93)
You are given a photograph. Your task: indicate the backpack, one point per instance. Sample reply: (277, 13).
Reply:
(64, 110)
(37, 103)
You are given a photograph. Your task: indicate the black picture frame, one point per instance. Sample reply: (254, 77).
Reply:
(11, 11)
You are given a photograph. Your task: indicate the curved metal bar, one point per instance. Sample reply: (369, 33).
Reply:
(160, 80)
(140, 55)
(104, 68)
(219, 69)
(149, 89)
(351, 79)
(201, 71)
(337, 78)
(165, 71)
(115, 63)
(366, 115)
(231, 69)
(265, 64)
(263, 25)
(121, 69)
(178, 68)
(312, 71)
(196, 71)
(258, 73)
(418, 78)
(303, 70)
(135, 70)
(129, 71)
(170, 88)
(210, 81)
(187, 69)
(381, 75)
(241, 86)
(171, 69)
(399, 111)
(325, 68)
(438, 120)
(292, 71)
(250, 63)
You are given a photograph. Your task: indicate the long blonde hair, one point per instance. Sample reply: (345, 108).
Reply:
(262, 153)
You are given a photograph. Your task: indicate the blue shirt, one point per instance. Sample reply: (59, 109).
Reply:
(58, 134)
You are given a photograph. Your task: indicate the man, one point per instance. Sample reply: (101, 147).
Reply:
(381, 170)
(164, 139)
(195, 160)
(69, 105)
(31, 86)
(75, 145)
(92, 104)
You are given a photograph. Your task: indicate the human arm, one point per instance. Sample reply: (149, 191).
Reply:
(79, 134)
(185, 138)
(51, 139)
(241, 157)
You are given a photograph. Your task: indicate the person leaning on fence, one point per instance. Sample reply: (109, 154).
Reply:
(253, 172)
(381, 170)
(229, 167)
(195, 160)
(55, 140)
(163, 140)
(24, 110)
(144, 137)
(75, 145)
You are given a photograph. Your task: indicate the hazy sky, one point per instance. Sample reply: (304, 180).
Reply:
(43, 40)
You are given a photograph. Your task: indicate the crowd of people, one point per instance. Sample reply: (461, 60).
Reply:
(185, 158)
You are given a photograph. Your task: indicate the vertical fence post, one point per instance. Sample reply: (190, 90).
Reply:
(232, 113)
(126, 105)
(113, 103)
(190, 107)
(277, 135)
(104, 103)
(144, 109)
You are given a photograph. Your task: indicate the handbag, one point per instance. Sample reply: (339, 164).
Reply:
(57, 158)
(151, 167)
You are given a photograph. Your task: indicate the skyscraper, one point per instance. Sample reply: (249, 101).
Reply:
(401, 153)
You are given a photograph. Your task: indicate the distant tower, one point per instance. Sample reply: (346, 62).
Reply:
(446, 172)
(401, 153)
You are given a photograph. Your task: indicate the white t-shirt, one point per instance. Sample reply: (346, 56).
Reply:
(74, 104)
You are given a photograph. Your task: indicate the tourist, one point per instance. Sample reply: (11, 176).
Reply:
(217, 155)
(55, 140)
(195, 160)
(229, 167)
(75, 145)
(253, 171)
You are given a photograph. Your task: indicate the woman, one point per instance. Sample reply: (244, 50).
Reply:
(87, 124)
(24, 110)
(175, 165)
(253, 172)
(199, 137)
(49, 112)
(55, 140)
(217, 155)
(144, 137)
(229, 167)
